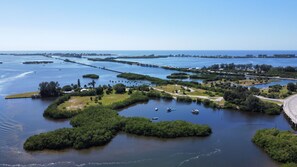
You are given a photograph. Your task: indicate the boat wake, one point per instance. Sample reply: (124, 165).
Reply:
(71, 163)
(10, 79)
(9, 130)
(198, 156)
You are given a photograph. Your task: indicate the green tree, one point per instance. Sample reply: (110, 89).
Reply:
(93, 83)
(99, 90)
(291, 87)
(67, 88)
(253, 104)
(119, 88)
(78, 83)
(49, 89)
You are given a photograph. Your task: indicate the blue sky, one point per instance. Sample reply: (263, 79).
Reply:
(148, 25)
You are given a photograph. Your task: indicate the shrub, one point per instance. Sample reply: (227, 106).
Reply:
(279, 145)
(186, 99)
(97, 126)
(119, 88)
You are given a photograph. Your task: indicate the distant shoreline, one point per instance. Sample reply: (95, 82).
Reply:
(148, 56)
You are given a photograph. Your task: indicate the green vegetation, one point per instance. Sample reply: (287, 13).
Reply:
(94, 127)
(97, 126)
(136, 97)
(209, 103)
(253, 81)
(111, 59)
(204, 76)
(52, 111)
(182, 90)
(92, 76)
(49, 89)
(67, 88)
(289, 165)
(157, 94)
(278, 91)
(217, 88)
(243, 99)
(259, 70)
(292, 87)
(154, 80)
(272, 101)
(80, 102)
(141, 57)
(178, 76)
(22, 95)
(95, 120)
(186, 99)
(76, 103)
(119, 88)
(279, 145)
(37, 62)
(67, 106)
(166, 129)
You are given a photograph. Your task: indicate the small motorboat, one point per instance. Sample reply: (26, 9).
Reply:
(155, 118)
(156, 109)
(169, 109)
(195, 111)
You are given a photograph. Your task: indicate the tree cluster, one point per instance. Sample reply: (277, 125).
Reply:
(49, 89)
(243, 99)
(280, 145)
(97, 126)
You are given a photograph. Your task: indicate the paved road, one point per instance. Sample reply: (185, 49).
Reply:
(290, 108)
(266, 98)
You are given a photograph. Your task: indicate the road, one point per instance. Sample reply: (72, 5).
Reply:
(290, 108)
(216, 99)
(270, 99)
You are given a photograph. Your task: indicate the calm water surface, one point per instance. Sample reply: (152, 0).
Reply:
(191, 62)
(229, 145)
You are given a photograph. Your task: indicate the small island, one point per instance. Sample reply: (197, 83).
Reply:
(38, 62)
(95, 119)
(178, 76)
(91, 76)
(279, 145)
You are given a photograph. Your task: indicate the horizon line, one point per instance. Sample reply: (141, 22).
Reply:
(37, 50)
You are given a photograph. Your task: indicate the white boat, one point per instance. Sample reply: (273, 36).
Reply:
(195, 111)
(155, 118)
(156, 109)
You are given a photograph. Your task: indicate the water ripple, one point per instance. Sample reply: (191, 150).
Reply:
(71, 163)
(199, 155)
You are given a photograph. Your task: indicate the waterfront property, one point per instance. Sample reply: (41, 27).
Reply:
(243, 125)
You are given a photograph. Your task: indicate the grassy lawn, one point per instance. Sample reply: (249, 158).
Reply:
(112, 98)
(281, 93)
(252, 82)
(78, 102)
(284, 90)
(21, 95)
(197, 92)
(173, 88)
(271, 101)
(169, 88)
